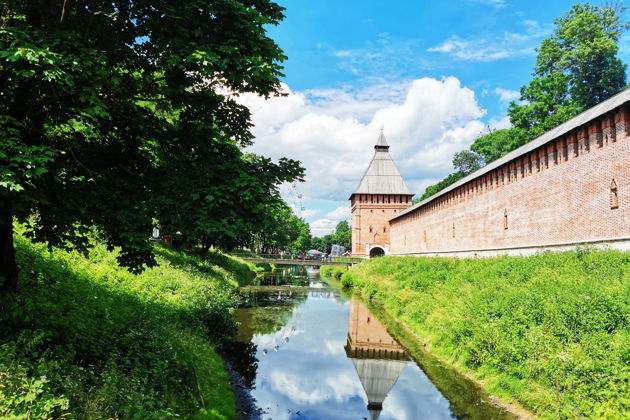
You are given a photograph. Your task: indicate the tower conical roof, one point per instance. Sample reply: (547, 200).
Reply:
(382, 176)
(378, 377)
(381, 140)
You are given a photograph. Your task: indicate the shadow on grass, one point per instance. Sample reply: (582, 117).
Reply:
(243, 272)
(109, 342)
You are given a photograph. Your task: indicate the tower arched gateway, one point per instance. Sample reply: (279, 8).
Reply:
(381, 194)
(376, 251)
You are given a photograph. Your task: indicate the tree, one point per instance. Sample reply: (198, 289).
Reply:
(576, 68)
(343, 235)
(496, 143)
(467, 161)
(435, 188)
(224, 199)
(100, 100)
(304, 239)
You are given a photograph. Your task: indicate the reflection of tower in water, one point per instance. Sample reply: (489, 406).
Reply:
(377, 357)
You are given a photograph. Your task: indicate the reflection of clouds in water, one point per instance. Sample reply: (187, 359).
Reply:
(334, 347)
(415, 397)
(296, 388)
(312, 374)
(270, 340)
(301, 389)
(345, 386)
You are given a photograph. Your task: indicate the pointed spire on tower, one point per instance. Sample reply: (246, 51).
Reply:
(381, 142)
(382, 176)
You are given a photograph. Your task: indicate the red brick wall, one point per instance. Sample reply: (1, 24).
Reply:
(558, 193)
(370, 220)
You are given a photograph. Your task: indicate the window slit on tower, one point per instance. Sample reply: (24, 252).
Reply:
(614, 195)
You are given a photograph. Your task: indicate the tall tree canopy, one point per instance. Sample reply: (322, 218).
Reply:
(576, 68)
(115, 112)
(280, 230)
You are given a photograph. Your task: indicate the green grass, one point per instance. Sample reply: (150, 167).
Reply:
(334, 271)
(87, 339)
(518, 323)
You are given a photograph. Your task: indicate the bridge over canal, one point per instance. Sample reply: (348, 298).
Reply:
(297, 261)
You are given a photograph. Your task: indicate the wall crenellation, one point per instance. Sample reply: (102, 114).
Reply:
(559, 151)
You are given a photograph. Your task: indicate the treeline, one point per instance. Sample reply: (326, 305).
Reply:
(281, 231)
(117, 116)
(286, 232)
(577, 67)
(341, 236)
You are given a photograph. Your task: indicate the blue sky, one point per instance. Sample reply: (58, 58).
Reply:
(435, 74)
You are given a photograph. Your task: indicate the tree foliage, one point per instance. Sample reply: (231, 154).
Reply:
(280, 230)
(435, 188)
(576, 68)
(467, 161)
(497, 143)
(113, 113)
(341, 236)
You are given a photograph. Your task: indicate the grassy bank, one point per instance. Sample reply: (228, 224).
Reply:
(334, 271)
(519, 324)
(86, 339)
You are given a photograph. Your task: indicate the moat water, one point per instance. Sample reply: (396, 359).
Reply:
(308, 350)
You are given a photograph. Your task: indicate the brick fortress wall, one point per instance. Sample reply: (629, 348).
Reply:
(573, 189)
(370, 220)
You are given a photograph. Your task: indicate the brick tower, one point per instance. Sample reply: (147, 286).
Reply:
(381, 194)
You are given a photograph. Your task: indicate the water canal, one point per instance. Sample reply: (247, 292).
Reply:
(308, 350)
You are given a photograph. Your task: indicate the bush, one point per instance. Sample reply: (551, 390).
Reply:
(86, 338)
(517, 323)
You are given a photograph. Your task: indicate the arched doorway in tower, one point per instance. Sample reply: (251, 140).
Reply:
(377, 251)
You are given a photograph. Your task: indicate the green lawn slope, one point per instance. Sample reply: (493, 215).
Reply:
(519, 325)
(86, 339)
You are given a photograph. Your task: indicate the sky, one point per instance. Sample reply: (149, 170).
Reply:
(435, 74)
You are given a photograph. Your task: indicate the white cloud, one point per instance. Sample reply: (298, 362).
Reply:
(328, 223)
(309, 213)
(501, 123)
(321, 227)
(506, 95)
(506, 45)
(333, 132)
(340, 213)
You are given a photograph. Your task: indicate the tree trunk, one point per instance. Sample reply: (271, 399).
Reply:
(205, 248)
(8, 266)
